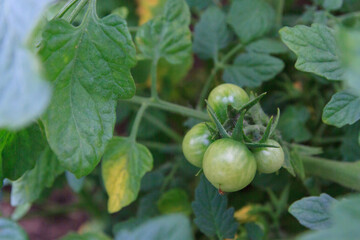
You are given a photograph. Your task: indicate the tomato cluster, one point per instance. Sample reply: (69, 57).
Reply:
(227, 161)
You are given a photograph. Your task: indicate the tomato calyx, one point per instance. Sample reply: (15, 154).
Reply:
(221, 191)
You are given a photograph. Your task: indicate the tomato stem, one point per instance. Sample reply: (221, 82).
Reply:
(344, 173)
(170, 107)
(137, 121)
(154, 93)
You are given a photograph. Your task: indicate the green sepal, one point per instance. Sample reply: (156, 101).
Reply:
(276, 121)
(231, 112)
(219, 126)
(252, 103)
(266, 135)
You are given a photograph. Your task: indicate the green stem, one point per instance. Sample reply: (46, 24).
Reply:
(161, 126)
(231, 53)
(165, 147)
(154, 93)
(170, 107)
(77, 10)
(170, 176)
(206, 88)
(133, 28)
(279, 12)
(346, 174)
(65, 8)
(137, 121)
(349, 15)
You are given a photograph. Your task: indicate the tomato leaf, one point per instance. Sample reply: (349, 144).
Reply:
(199, 4)
(89, 66)
(124, 164)
(211, 34)
(313, 212)
(211, 215)
(167, 227)
(174, 201)
(292, 124)
(345, 217)
(23, 93)
(252, 69)
(22, 151)
(316, 50)
(342, 109)
(251, 19)
(167, 36)
(267, 45)
(29, 187)
(10, 230)
(350, 149)
(332, 5)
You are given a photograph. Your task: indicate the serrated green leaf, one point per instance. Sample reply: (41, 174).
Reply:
(313, 212)
(316, 50)
(252, 69)
(124, 164)
(251, 19)
(350, 149)
(23, 93)
(211, 215)
(22, 151)
(292, 124)
(342, 109)
(10, 230)
(177, 11)
(174, 201)
(211, 33)
(345, 215)
(348, 40)
(267, 45)
(29, 187)
(147, 205)
(167, 36)
(89, 66)
(86, 236)
(168, 227)
(199, 4)
(254, 231)
(332, 4)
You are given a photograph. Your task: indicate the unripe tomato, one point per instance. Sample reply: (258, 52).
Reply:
(195, 143)
(269, 160)
(225, 94)
(229, 165)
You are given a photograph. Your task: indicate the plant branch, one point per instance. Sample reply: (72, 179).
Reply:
(346, 174)
(170, 107)
(137, 121)
(206, 88)
(154, 93)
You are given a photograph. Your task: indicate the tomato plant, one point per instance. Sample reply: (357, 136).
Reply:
(179, 119)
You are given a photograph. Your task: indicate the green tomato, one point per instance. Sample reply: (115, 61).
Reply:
(195, 143)
(229, 165)
(225, 94)
(269, 160)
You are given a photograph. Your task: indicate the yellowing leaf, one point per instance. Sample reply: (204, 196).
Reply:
(147, 9)
(124, 164)
(244, 214)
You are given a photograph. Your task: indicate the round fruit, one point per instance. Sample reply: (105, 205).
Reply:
(229, 165)
(268, 159)
(225, 94)
(195, 143)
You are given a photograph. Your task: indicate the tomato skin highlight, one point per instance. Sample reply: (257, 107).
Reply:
(269, 160)
(195, 143)
(225, 94)
(229, 165)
